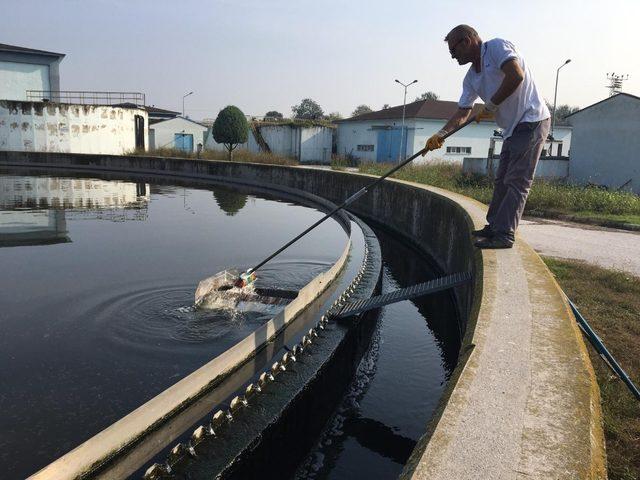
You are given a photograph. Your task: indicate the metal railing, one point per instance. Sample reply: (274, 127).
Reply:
(87, 97)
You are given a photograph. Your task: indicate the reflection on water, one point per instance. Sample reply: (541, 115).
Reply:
(229, 201)
(25, 192)
(96, 324)
(34, 210)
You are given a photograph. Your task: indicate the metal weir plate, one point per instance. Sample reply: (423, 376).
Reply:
(432, 286)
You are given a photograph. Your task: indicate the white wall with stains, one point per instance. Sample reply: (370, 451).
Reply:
(56, 127)
(307, 144)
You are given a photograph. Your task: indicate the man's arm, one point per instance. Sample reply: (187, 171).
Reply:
(436, 141)
(513, 77)
(458, 118)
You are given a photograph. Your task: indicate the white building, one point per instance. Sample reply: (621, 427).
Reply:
(302, 141)
(71, 128)
(376, 136)
(606, 142)
(35, 115)
(24, 69)
(180, 133)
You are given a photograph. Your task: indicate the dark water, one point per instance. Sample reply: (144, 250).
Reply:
(399, 382)
(96, 291)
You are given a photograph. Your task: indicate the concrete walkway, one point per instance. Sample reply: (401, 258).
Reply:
(605, 247)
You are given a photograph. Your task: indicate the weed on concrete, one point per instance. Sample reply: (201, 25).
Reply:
(610, 302)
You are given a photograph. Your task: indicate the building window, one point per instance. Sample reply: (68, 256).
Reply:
(365, 148)
(459, 150)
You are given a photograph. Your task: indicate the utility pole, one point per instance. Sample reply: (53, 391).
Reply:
(555, 97)
(183, 97)
(404, 104)
(615, 83)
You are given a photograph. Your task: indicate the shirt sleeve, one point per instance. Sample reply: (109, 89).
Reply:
(469, 95)
(502, 51)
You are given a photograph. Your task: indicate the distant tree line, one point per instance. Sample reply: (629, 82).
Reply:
(561, 113)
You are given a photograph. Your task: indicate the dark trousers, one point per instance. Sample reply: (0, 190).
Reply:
(518, 160)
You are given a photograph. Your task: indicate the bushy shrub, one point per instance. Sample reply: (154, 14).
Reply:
(230, 128)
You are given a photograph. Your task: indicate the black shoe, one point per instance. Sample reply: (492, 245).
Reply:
(485, 232)
(494, 242)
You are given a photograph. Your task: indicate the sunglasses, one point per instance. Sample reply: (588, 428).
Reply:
(452, 50)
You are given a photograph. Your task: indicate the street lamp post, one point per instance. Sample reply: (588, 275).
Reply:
(555, 97)
(404, 104)
(183, 97)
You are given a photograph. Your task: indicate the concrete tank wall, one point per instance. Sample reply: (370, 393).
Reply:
(523, 400)
(59, 127)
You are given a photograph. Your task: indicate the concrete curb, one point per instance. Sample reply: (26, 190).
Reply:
(632, 227)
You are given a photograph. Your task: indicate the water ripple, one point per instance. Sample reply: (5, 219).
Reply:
(164, 318)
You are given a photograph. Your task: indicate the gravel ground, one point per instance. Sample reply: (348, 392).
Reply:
(605, 247)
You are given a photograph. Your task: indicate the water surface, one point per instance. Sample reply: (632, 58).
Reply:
(97, 288)
(399, 381)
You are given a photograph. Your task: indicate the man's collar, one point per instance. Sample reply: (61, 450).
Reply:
(478, 68)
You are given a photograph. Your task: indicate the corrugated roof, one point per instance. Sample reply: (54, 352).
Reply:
(13, 48)
(150, 110)
(161, 110)
(602, 101)
(428, 109)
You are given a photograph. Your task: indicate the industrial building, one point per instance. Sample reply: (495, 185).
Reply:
(27, 69)
(35, 115)
(177, 132)
(376, 136)
(303, 141)
(606, 142)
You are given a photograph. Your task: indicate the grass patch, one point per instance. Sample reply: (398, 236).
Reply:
(545, 199)
(588, 215)
(238, 156)
(610, 302)
(342, 162)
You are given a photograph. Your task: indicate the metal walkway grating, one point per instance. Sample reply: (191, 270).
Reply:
(432, 286)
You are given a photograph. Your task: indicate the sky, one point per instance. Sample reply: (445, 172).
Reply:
(263, 55)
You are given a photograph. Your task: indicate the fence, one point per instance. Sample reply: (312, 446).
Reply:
(87, 97)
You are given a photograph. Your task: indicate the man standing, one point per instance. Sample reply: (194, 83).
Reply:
(499, 76)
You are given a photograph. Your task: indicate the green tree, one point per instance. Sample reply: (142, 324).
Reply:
(333, 116)
(428, 96)
(360, 110)
(561, 112)
(307, 109)
(230, 128)
(274, 114)
(385, 106)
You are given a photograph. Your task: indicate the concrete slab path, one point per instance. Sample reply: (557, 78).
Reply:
(604, 247)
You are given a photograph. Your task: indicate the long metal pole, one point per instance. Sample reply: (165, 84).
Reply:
(355, 196)
(183, 97)
(603, 352)
(404, 105)
(555, 97)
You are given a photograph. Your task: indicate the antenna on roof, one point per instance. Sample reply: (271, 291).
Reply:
(615, 82)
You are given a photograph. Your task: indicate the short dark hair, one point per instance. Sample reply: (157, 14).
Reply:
(460, 32)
